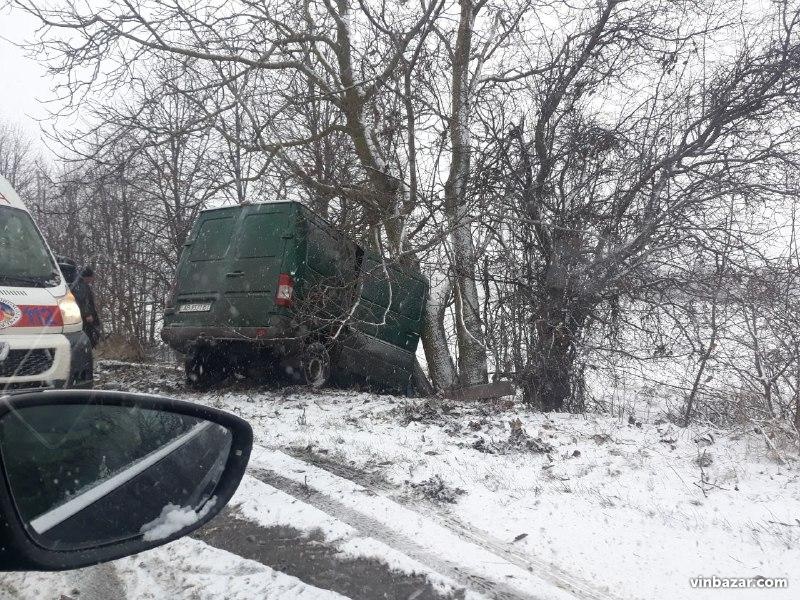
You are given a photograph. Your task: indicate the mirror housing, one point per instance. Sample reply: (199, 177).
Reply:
(20, 546)
(69, 269)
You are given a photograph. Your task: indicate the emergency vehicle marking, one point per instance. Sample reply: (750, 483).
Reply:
(40, 316)
(10, 314)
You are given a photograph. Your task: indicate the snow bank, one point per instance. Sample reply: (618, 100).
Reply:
(636, 507)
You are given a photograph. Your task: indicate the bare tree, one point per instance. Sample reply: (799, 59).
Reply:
(18, 161)
(553, 166)
(335, 72)
(603, 196)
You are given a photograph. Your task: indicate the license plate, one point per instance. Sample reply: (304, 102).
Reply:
(195, 307)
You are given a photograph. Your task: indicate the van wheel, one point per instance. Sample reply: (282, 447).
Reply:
(316, 367)
(203, 370)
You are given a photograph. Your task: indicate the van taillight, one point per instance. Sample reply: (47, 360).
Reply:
(285, 290)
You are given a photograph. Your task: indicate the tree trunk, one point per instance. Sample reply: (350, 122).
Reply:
(469, 328)
(687, 416)
(434, 339)
(547, 382)
(472, 349)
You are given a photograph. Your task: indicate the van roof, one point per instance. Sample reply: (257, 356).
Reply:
(309, 213)
(8, 197)
(246, 204)
(297, 203)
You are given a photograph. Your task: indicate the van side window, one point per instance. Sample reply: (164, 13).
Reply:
(212, 239)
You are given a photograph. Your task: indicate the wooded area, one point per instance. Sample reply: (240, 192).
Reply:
(592, 188)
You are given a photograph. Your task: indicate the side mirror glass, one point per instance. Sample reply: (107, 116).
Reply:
(98, 472)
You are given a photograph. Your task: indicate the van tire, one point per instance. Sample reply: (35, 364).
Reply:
(316, 365)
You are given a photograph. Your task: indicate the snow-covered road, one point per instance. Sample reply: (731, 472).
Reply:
(475, 563)
(357, 531)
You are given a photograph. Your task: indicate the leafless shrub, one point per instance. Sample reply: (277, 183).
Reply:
(435, 489)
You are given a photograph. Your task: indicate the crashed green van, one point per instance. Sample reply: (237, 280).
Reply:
(275, 288)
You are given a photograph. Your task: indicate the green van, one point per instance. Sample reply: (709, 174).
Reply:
(275, 288)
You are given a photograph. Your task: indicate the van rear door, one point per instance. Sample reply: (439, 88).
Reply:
(203, 270)
(201, 273)
(255, 260)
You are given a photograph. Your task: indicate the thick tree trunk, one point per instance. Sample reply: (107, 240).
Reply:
(469, 328)
(471, 346)
(434, 340)
(547, 382)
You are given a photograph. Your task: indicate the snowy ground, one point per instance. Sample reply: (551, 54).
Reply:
(184, 569)
(484, 500)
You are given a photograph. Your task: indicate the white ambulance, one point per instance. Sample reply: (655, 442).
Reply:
(42, 343)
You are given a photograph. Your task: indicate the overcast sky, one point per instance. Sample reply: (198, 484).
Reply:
(24, 81)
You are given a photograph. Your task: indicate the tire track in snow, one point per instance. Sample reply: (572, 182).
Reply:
(315, 562)
(374, 528)
(543, 569)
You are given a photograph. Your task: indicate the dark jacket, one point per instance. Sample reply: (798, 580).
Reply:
(84, 296)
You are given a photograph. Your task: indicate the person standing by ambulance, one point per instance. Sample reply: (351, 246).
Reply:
(84, 296)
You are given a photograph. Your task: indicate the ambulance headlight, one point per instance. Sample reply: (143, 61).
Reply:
(70, 312)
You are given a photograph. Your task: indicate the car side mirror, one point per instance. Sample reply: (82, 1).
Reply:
(92, 476)
(69, 269)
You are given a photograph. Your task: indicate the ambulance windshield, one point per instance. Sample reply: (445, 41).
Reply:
(24, 258)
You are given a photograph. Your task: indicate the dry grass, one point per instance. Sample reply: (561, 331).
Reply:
(117, 347)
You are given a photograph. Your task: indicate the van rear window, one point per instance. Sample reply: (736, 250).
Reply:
(24, 258)
(261, 235)
(211, 241)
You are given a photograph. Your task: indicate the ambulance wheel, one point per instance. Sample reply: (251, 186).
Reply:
(316, 365)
